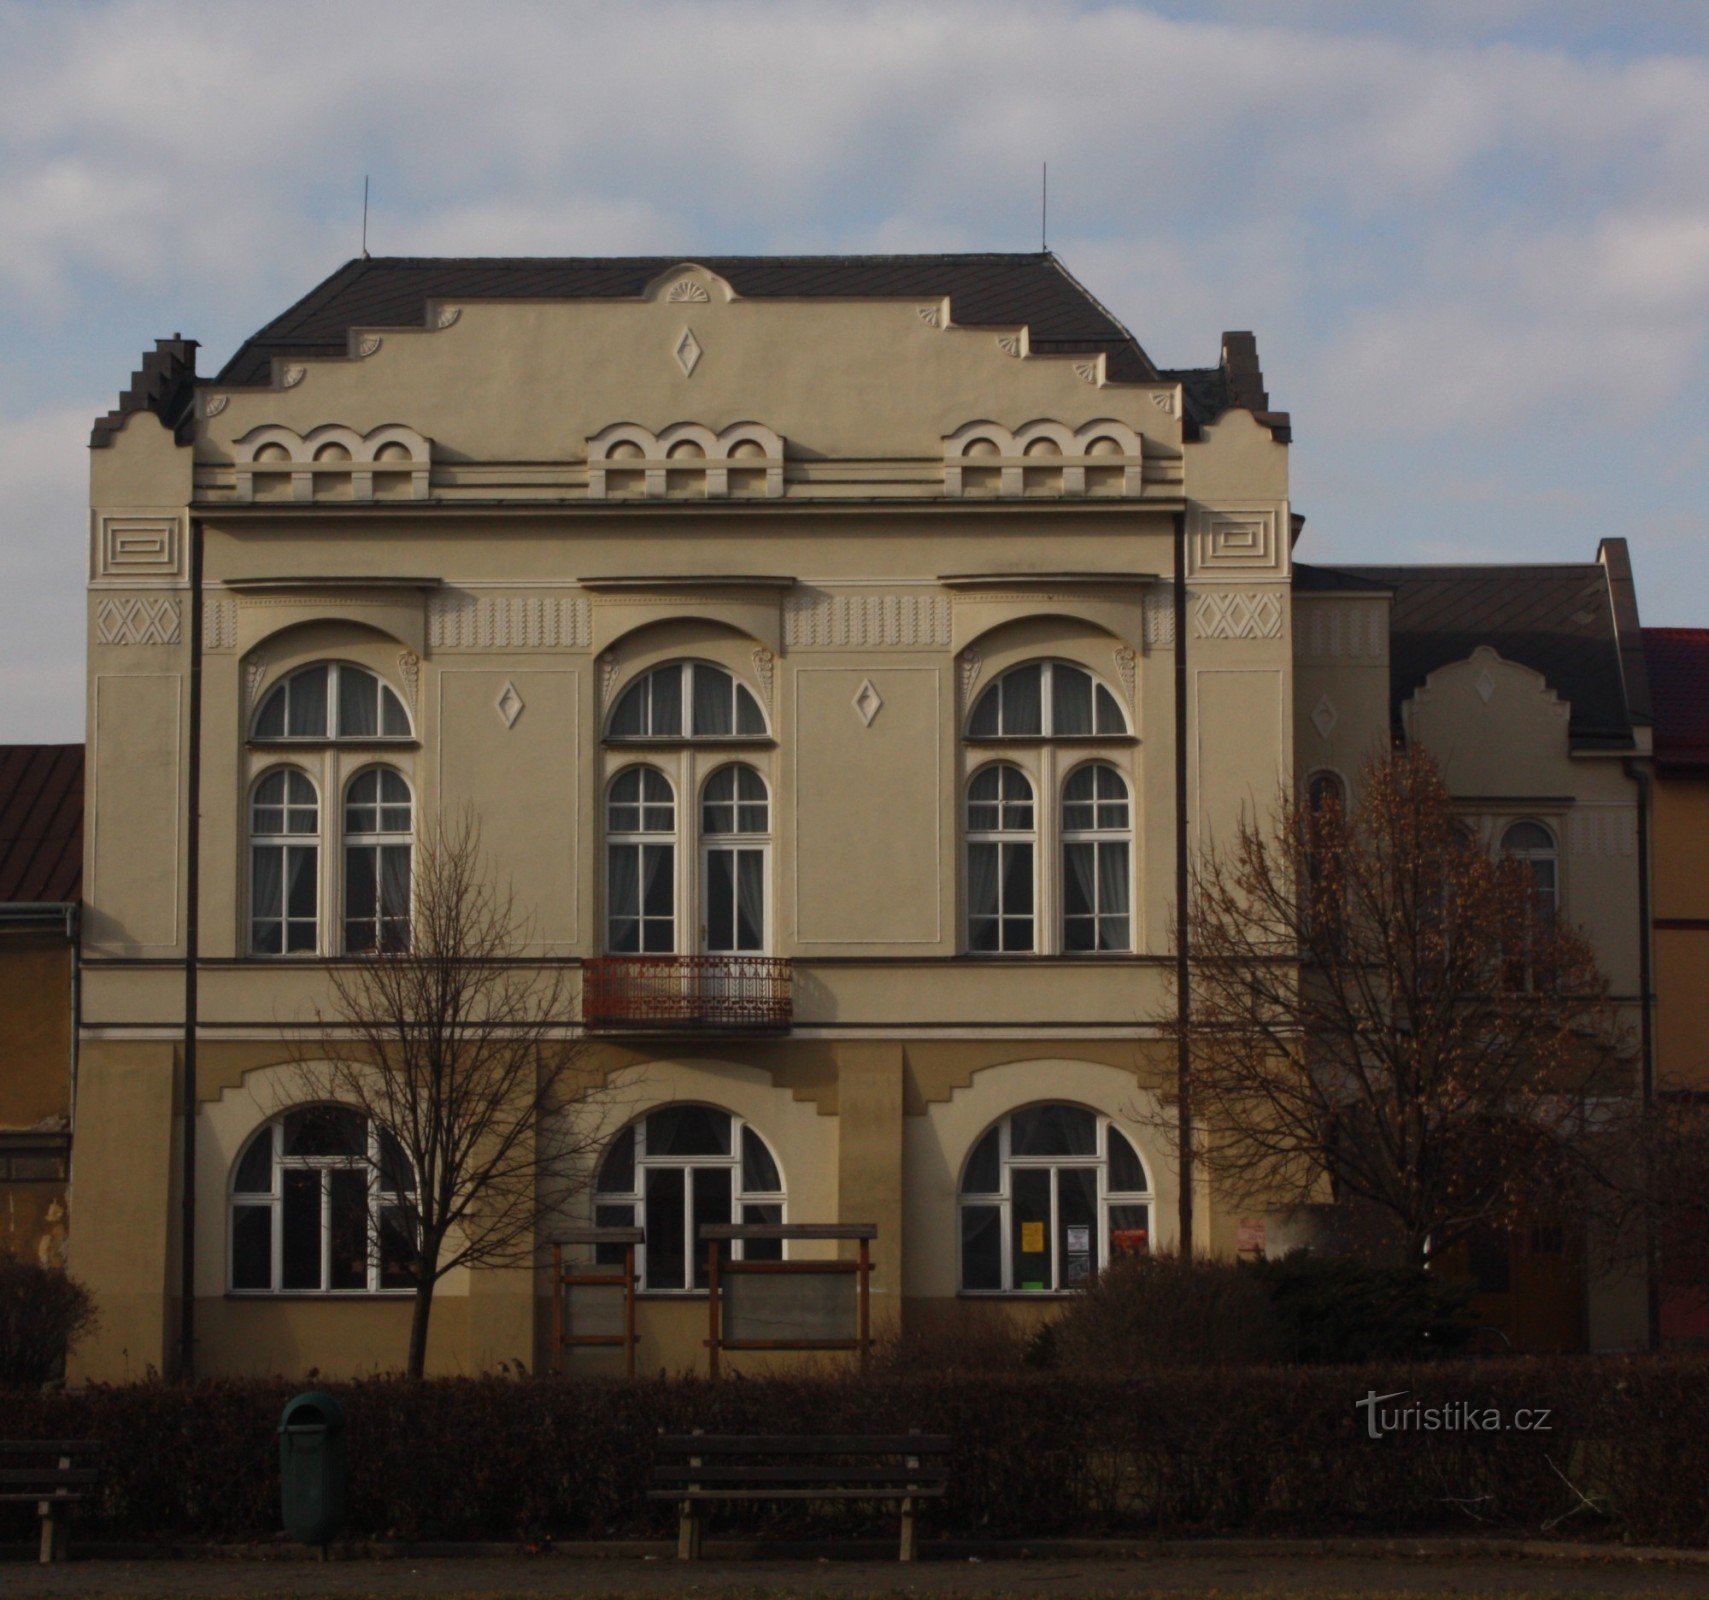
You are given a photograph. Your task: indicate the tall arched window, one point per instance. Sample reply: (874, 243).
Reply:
(320, 1204)
(735, 824)
(377, 828)
(1533, 844)
(284, 864)
(1000, 859)
(1049, 700)
(678, 1169)
(686, 700)
(1048, 1196)
(640, 854)
(1096, 856)
(331, 700)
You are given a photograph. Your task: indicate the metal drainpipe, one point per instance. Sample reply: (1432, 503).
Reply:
(1183, 993)
(1646, 1038)
(192, 954)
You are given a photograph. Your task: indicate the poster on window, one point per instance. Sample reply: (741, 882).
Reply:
(1130, 1241)
(1077, 1255)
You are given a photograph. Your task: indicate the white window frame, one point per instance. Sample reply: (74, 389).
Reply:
(274, 1199)
(1047, 704)
(335, 670)
(349, 839)
(1101, 839)
(735, 843)
(1003, 1200)
(640, 840)
(1003, 839)
(684, 734)
(739, 1197)
(282, 844)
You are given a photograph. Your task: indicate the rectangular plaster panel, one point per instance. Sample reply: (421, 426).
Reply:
(509, 745)
(1237, 714)
(135, 807)
(867, 806)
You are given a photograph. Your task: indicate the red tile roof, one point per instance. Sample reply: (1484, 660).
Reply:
(41, 823)
(1679, 682)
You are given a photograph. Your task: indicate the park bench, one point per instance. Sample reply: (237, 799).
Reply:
(699, 1469)
(56, 1474)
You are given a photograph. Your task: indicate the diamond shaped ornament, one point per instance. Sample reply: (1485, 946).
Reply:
(1325, 717)
(1485, 686)
(509, 705)
(868, 702)
(688, 352)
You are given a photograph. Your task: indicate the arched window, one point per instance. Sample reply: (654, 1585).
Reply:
(640, 855)
(678, 1169)
(320, 1204)
(1096, 857)
(735, 822)
(284, 864)
(1324, 791)
(1000, 859)
(1533, 844)
(1046, 699)
(1048, 1196)
(686, 700)
(377, 861)
(331, 700)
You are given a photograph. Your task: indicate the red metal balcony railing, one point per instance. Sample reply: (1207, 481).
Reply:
(736, 993)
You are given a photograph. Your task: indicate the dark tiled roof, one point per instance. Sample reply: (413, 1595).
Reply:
(1333, 580)
(1678, 660)
(41, 823)
(1557, 620)
(984, 290)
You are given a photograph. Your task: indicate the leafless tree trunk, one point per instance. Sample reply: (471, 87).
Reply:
(458, 1049)
(1385, 1012)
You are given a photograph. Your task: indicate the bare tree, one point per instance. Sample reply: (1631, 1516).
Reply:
(456, 1048)
(1383, 1011)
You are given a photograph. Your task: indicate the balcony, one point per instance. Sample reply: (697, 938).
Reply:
(686, 994)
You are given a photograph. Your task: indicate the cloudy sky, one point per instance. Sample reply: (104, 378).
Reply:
(1471, 235)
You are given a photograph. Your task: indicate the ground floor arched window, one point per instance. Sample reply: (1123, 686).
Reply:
(1049, 1195)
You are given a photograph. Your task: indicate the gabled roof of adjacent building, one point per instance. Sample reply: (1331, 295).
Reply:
(1033, 290)
(41, 824)
(1558, 620)
(1679, 684)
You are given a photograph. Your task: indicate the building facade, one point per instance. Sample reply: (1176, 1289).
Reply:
(841, 656)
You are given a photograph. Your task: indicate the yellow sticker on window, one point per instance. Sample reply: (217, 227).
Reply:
(1032, 1238)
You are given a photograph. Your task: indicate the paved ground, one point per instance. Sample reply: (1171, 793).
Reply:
(489, 1578)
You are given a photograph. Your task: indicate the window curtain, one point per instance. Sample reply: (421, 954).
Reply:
(1071, 694)
(712, 703)
(623, 884)
(750, 900)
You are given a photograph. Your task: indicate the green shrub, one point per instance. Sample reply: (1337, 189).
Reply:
(1330, 1309)
(44, 1311)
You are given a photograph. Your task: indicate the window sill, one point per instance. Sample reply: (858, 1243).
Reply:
(669, 741)
(1018, 1294)
(999, 741)
(377, 741)
(319, 1294)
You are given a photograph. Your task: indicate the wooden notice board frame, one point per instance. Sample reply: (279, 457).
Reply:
(714, 1234)
(572, 1276)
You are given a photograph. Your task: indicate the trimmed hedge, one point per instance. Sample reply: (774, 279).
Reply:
(1265, 1451)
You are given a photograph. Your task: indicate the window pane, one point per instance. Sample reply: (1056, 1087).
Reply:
(688, 1131)
(982, 1175)
(1031, 1251)
(666, 718)
(617, 1174)
(324, 1131)
(1023, 701)
(1109, 716)
(396, 1173)
(301, 1230)
(394, 720)
(748, 717)
(300, 890)
(349, 1229)
(665, 1243)
(612, 1255)
(270, 724)
(629, 719)
(759, 1171)
(981, 1247)
(255, 1171)
(1127, 1175)
(1017, 878)
(361, 891)
(1076, 1216)
(750, 900)
(1130, 1231)
(713, 693)
(397, 1249)
(358, 704)
(306, 714)
(1053, 1131)
(1078, 879)
(711, 1206)
(720, 900)
(252, 1247)
(658, 889)
(762, 1249)
(1071, 702)
(983, 723)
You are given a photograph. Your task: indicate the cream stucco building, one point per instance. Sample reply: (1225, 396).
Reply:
(866, 637)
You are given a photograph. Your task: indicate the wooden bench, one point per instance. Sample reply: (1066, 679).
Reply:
(56, 1474)
(698, 1469)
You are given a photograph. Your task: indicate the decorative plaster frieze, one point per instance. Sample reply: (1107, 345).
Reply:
(1604, 831)
(409, 669)
(1086, 371)
(254, 674)
(1164, 400)
(140, 550)
(290, 376)
(1340, 630)
(607, 677)
(211, 405)
(1157, 617)
(331, 457)
(1232, 543)
(685, 291)
(137, 620)
(765, 664)
(219, 623)
(815, 620)
(626, 459)
(367, 345)
(932, 316)
(968, 662)
(1237, 614)
(1127, 669)
(1009, 344)
(447, 316)
(457, 620)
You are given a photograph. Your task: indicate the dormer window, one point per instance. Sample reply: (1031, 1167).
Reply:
(687, 700)
(332, 700)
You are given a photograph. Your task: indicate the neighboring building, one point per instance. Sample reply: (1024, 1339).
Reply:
(1679, 676)
(809, 626)
(41, 872)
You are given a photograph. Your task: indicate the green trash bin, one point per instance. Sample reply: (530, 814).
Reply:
(312, 1472)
